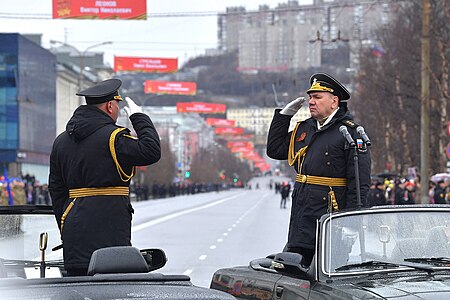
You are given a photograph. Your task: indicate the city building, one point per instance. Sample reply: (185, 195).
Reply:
(187, 133)
(298, 37)
(27, 106)
(258, 119)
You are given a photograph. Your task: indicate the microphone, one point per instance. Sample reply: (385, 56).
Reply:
(363, 134)
(348, 137)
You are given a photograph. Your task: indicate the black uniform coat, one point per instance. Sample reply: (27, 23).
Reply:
(81, 158)
(439, 195)
(376, 197)
(327, 155)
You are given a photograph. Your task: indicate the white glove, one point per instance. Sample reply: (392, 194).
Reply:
(292, 107)
(132, 107)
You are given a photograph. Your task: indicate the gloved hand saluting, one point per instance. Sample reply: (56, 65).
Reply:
(132, 107)
(292, 107)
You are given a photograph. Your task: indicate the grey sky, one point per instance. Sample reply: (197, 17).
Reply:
(172, 37)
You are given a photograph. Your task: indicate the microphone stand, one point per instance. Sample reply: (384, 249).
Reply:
(358, 188)
(362, 242)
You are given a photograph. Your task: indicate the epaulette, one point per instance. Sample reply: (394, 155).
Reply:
(350, 123)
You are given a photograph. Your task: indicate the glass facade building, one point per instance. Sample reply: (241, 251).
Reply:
(27, 103)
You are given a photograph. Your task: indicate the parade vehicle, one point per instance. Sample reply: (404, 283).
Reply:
(382, 252)
(31, 269)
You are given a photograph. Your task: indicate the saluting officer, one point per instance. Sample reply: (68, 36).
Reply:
(322, 158)
(91, 166)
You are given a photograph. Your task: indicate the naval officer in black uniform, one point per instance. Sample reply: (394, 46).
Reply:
(322, 158)
(91, 166)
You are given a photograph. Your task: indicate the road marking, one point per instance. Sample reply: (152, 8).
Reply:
(244, 215)
(234, 225)
(177, 214)
(220, 240)
(202, 257)
(187, 272)
(212, 247)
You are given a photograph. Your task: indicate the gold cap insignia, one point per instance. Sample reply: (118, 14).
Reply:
(316, 87)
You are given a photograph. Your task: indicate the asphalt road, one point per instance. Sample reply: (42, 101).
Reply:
(205, 232)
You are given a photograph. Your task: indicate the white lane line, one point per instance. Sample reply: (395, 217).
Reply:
(187, 272)
(177, 214)
(212, 247)
(225, 233)
(220, 240)
(234, 225)
(229, 229)
(202, 257)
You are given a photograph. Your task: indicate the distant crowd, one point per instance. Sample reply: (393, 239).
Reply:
(27, 190)
(402, 191)
(399, 191)
(141, 192)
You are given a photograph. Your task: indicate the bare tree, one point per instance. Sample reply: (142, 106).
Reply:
(209, 164)
(388, 90)
(164, 170)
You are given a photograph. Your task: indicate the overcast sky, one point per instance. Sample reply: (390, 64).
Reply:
(172, 37)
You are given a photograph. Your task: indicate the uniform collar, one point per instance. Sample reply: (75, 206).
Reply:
(328, 120)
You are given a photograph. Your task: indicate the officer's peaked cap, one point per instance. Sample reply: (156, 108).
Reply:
(322, 82)
(104, 91)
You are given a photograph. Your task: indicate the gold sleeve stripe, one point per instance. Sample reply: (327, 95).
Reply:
(130, 136)
(123, 176)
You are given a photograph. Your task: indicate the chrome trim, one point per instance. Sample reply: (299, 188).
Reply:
(369, 211)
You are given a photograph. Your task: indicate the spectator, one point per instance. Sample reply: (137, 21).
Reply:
(285, 191)
(439, 193)
(376, 196)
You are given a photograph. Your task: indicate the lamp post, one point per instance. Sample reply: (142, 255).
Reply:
(82, 55)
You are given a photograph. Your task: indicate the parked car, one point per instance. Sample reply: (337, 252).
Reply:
(30, 269)
(382, 252)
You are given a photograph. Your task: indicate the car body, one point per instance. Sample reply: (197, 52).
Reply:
(30, 269)
(376, 253)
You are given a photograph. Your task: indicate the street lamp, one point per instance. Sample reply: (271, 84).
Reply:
(82, 55)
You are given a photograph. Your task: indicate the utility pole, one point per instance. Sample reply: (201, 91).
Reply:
(425, 108)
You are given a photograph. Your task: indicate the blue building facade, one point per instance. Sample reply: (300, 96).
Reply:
(27, 105)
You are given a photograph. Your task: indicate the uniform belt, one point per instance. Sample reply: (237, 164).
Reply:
(102, 191)
(326, 181)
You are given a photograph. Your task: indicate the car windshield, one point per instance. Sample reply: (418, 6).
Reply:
(20, 235)
(385, 239)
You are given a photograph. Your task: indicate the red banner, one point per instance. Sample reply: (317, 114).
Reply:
(241, 149)
(145, 64)
(220, 122)
(168, 87)
(200, 107)
(264, 167)
(239, 138)
(95, 9)
(229, 130)
(240, 144)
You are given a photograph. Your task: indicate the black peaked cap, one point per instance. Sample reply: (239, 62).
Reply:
(104, 91)
(322, 82)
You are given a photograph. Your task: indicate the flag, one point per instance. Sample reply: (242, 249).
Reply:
(378, 51)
